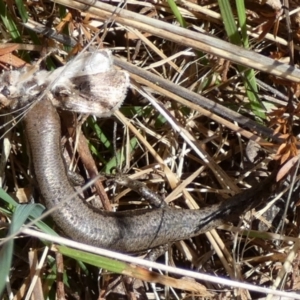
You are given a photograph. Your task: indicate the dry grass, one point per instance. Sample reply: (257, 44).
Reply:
(184, 130)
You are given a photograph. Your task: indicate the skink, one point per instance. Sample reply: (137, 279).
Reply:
(129, 231)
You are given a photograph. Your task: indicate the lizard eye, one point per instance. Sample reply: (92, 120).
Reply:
(5, 91)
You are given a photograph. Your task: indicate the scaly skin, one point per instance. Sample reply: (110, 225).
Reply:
(129, 231)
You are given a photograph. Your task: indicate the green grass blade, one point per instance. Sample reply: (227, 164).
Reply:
(20, 215)
(119, 158)
(94, 260)
(177, 13)
(35, 213)
(241, 11)
(229, 22)
(8, 199)
(99, 133)
(9, 23)
(22, 10)
(242, 40)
